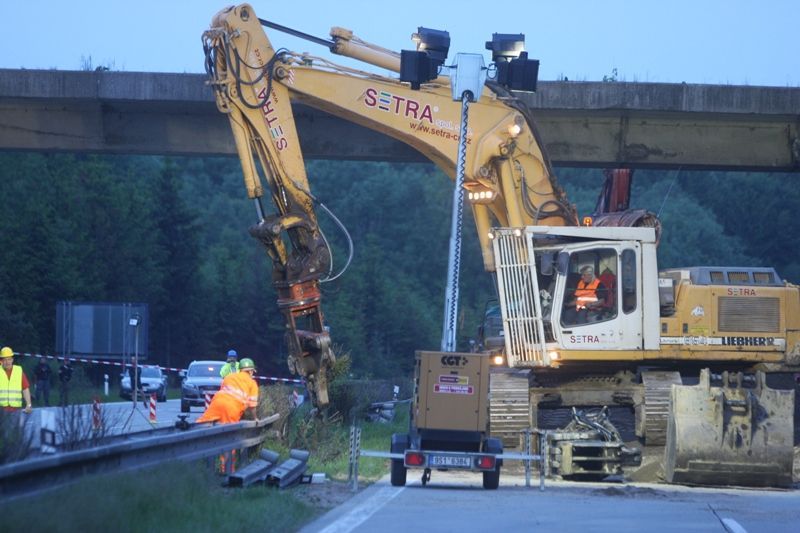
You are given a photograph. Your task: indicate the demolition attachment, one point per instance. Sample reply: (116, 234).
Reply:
(731, 434)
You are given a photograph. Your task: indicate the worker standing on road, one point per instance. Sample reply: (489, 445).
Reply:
(64, 376)
(14, 385)
(239, 393)
(137, 392)
(231, 366)
(42, 374)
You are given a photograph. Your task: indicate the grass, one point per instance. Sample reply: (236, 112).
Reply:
(173, 497)
(331, 453)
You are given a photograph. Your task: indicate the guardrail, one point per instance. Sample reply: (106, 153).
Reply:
(134, 451)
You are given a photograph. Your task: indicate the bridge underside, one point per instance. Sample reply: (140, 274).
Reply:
(109, 113)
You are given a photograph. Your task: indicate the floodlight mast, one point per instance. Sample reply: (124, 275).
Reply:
(467, 86)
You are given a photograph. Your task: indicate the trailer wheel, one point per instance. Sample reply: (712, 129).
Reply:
(398, 473)
(400, 443)
(491, 478)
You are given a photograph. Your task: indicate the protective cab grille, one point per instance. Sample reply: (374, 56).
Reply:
(750, 314)
(520, 307)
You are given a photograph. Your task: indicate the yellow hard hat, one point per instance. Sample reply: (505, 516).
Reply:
(6, 352)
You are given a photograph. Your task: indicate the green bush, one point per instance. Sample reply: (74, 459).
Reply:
(278, 399)
(351, 398)
(326, 433)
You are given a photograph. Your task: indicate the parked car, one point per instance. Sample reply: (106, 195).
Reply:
(201, 377)
(153, 381)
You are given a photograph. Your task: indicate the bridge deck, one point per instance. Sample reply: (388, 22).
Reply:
(594, 124)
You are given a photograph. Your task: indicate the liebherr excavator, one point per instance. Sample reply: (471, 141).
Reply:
(653, 331)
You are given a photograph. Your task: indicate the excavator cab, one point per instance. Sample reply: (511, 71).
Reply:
(591, 300)
(590, 308)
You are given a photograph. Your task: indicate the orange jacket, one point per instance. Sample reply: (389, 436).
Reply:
(586, 293)
(242, 387)
(239, 391)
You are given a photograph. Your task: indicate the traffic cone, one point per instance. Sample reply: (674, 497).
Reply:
(207, 399)
(97, 419)
(153, 409)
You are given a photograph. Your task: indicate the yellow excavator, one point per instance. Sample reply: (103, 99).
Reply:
(691, 351)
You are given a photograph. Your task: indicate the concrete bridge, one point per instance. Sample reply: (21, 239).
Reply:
(595, 124)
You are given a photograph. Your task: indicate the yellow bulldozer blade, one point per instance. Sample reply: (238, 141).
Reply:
(730, 435)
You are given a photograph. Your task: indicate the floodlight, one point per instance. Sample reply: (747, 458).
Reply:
(514, 70)
(435, 42)
(506, 46)
(422, 65)
(519, 74)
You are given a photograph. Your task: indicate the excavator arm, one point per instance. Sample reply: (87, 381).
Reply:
(508, 179)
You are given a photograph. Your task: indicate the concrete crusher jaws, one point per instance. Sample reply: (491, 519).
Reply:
(730, 434)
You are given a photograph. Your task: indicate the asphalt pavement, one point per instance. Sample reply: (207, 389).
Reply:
(118, 417)
(457, 502)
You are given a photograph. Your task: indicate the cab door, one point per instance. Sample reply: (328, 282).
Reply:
(599, 316)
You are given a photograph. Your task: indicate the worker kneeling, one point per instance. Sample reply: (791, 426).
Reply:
(239, 393)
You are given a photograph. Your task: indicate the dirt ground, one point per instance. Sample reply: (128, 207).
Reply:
(325, 495)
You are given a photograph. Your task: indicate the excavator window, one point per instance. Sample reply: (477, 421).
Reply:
(591, 288)
(628, 281)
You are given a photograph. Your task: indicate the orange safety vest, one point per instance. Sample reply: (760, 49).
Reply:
(239, 391)
(11, 387)
(586, 293)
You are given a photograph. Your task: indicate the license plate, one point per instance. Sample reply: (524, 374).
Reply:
(449, 460)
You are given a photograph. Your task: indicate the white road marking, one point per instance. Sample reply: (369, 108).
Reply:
(733, 526)
(360, 514)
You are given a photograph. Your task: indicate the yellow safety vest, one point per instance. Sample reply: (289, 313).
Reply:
(228, 368)
(11, 388)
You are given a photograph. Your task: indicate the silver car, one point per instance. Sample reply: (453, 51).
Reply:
(201, 378)
(153, 381)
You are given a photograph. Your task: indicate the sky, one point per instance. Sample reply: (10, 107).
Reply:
(736, 42)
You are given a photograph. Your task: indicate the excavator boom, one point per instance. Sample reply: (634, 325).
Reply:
(508, 177)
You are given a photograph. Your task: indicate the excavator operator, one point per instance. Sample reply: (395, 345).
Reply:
(590, 295)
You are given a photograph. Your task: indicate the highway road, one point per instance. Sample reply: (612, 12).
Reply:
(120, 417)
(456, 502)
(124, 417)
